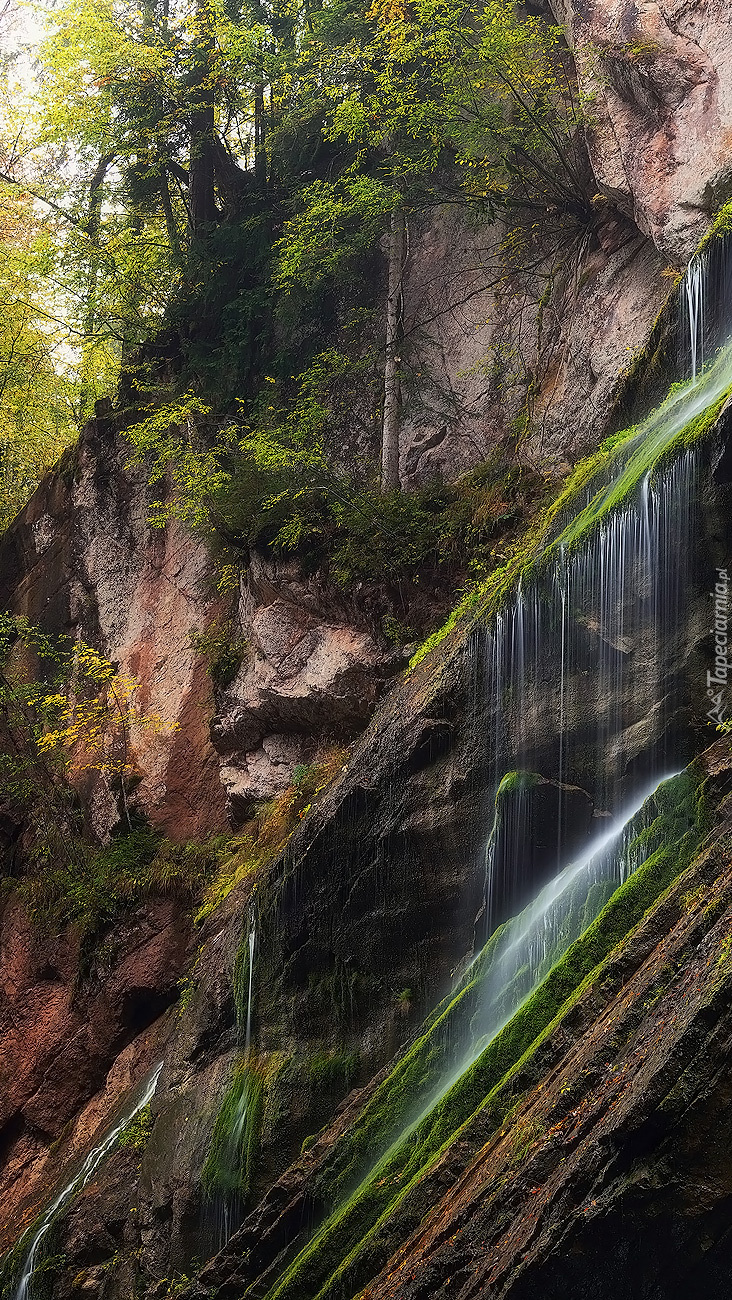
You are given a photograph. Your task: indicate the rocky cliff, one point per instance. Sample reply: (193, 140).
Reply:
(284, 1009)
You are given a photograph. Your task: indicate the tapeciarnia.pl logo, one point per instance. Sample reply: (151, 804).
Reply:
(717, 680)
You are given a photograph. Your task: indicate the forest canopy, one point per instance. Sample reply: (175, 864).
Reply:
(242, 178)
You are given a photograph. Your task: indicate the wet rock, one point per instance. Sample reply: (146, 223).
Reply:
(61, 1040)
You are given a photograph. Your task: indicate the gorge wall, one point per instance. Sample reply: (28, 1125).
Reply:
(380, 900)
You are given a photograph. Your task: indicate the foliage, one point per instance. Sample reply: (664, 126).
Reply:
(222, 650)
(36, 390)
(84, 720)
(135, 1136)
(229, 171)
(270, 825)
(96, 884)
(275, 488)
(436, 102)
(64, 709)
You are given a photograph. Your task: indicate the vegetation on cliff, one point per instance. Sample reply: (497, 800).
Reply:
(230, 174)
(368, 1175)
(209, 211)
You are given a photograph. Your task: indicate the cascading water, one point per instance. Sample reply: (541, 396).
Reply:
(450, 1074)
(691, 305)
(251, 943)
(530, 944)
(224, 1210)
(587, 639)
(563, 647)
(38, 1232)
(584, 643)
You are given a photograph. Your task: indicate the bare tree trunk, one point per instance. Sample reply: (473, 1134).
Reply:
(90, 326)
(390, 480)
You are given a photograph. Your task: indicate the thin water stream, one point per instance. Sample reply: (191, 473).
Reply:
(223, 1212)
(38, 1231)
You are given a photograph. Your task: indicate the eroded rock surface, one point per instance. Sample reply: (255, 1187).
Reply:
(64, 1039)
(659, 75)
(310, 676)
(81, 561)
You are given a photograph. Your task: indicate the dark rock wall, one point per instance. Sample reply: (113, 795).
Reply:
(377, 901)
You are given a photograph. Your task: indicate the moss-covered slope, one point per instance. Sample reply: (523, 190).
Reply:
(356, 1240)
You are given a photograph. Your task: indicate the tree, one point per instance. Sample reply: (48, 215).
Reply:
(64, 709)
(222, 168)
(37, 390)
(442, 103)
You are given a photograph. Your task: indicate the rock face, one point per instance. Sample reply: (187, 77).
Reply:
(480, 360)
(81, 561)
(659, 76)
(381, 896)
(609, 1113)
(612, 1177)
(64, 1041)
(359, 929)
(310, 676)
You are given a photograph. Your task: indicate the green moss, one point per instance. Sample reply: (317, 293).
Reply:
(331, 1265)
(135, 1136)
(518, 780)
(332, 1070)
(657, 442)
(608, 477)
(721, 226)
(231, 1159)
(468, 603)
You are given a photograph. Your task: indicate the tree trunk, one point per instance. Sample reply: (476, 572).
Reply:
(171, 225)
(201, 175)
(260, 153)
(90, 327)
(390, 480)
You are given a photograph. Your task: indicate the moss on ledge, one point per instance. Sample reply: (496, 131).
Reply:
(345, 1250)
(598, 485)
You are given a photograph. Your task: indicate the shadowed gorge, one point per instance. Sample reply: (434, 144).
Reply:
(365, 760)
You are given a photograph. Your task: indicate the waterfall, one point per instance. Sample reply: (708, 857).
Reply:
(692, 307)
(575, 664)
(226, 1171)
(251, 942)
(515, 962)
(588, 643)
(590, 636)
(451, 1073)
(98, 1153)
(575, 660)
(530, 944)
(584, 642)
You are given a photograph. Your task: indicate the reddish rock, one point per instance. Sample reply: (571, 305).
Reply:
(61, 1038)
